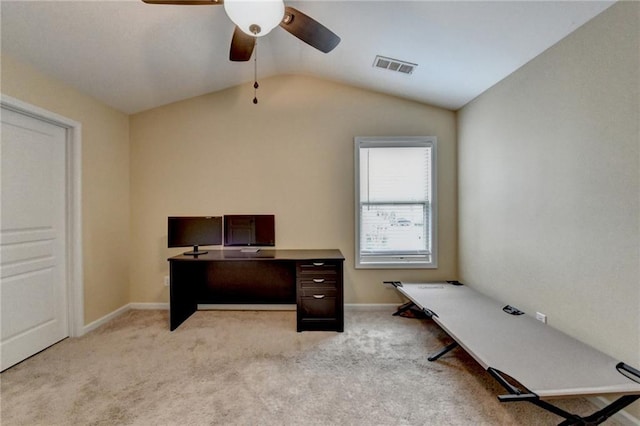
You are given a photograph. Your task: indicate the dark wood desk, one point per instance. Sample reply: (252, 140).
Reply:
(312, 279)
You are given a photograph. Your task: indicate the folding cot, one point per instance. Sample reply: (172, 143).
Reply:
(532, 361)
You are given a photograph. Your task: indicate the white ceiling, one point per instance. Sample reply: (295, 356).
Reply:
(134, 56)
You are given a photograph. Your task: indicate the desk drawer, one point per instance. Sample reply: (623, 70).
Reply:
(317, 267)
(318, 293)
(318, 281)
(317, 306)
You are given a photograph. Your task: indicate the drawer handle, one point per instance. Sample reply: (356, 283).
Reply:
(318, 263)
(318, 296)
(318, 280)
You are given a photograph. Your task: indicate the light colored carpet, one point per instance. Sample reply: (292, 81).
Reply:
(253, 368)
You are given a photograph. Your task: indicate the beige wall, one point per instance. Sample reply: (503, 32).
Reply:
(549, 182)
(290, 155)
(105, 181)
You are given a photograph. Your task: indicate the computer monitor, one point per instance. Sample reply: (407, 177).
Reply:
(194, 231)
(256, 230)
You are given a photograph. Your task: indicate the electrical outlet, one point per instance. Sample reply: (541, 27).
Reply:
(166, 281)
(541, 317)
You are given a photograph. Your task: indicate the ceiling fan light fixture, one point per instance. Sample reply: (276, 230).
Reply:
(255, 17)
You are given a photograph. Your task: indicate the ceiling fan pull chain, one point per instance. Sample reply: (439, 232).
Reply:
(255, 74)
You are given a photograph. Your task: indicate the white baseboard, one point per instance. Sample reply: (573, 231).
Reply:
(105, 319)
(622, 417)
(123, 309)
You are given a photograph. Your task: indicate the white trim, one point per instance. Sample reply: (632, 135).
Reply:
(123, 310)
(623, 417)
(75, 283)
(105, 319)
(76, 289)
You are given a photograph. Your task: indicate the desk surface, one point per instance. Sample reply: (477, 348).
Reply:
(264, 254)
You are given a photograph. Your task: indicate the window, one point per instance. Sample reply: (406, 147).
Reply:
(395, 202)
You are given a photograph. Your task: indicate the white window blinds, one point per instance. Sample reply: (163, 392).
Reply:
(395, 201)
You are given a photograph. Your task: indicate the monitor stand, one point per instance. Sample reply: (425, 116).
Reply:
(195, 251)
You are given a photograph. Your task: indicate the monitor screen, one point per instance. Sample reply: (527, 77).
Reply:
(250, 230)
(185, 231)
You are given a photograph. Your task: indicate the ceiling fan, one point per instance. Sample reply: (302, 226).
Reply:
(256, 18)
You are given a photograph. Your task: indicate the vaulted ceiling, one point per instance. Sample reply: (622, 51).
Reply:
(134, 56)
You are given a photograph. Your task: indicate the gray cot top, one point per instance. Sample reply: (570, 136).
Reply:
(545, 360)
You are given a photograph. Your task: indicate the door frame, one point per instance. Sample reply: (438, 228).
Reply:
(75, 281)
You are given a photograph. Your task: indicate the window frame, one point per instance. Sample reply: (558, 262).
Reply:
(399, 261)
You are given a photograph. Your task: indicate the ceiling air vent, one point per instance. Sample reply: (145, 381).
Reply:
(394, 65)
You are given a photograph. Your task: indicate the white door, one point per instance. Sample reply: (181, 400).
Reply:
(33, 246)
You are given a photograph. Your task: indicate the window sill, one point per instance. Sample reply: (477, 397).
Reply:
(396, 265)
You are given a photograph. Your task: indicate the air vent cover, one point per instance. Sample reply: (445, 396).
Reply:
(394, 65)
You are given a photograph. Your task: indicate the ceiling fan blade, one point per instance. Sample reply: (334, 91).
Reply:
(241, 46)
(309, 30)
(184, 2)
